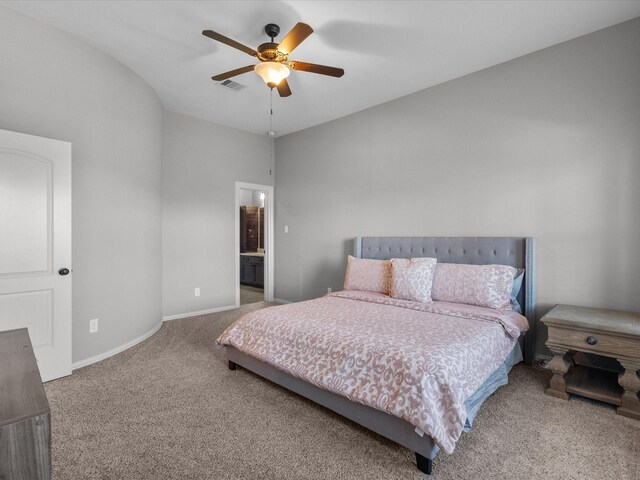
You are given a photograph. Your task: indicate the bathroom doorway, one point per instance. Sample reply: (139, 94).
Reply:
(254, 243)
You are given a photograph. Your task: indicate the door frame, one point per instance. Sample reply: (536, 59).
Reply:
(269, 238)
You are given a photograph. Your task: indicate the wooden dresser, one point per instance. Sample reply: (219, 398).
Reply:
(602, 332)
(25, 434)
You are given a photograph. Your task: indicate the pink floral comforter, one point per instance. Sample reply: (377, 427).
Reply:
(416, 361)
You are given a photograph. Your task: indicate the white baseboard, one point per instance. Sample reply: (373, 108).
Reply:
(199, 312)
(110, 353)
(281, 301)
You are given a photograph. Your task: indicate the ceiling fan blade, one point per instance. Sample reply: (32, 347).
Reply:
(227, 41)
(295, 37)
(315, 68)
(232, 73)
(283, 88)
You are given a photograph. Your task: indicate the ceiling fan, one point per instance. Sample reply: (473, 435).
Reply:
(275, 66)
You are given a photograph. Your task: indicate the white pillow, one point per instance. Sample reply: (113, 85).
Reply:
(367, 274)
(411, 278)
(482, 285)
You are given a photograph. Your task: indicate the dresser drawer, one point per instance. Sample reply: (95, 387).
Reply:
(588, 341)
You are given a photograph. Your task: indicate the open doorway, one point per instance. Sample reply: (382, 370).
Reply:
(254, 243)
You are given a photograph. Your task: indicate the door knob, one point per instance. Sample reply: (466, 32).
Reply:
(63, 271)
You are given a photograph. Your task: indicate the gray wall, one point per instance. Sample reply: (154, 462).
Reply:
(547, 145)
(201, 163)
(53, 85)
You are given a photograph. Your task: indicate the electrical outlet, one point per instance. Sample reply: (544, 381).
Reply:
(196, 292)
(93, 325)
(286, 229)
(329, 290)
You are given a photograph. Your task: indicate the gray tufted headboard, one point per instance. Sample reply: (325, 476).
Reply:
(519, 252)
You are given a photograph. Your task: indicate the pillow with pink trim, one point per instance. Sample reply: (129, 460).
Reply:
(412, 278)
(482, 285)
(367, 274)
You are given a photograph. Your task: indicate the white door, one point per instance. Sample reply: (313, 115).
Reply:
(35, 245)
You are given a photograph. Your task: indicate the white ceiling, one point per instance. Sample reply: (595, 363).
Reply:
(387, 49)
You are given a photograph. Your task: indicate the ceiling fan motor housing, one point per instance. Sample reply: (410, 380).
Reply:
(268, 52)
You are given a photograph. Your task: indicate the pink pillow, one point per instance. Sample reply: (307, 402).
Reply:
(369, 275)
(411, 278)
(482, 285)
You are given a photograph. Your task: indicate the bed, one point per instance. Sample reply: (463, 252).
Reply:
(384, 404)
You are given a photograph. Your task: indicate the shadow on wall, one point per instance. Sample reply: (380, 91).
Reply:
(339, 273)
(330, 273)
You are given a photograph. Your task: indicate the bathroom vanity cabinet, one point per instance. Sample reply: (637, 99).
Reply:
(252, 269)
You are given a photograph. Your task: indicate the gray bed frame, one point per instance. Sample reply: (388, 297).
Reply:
(519, 252)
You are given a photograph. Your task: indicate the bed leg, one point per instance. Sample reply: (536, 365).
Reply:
(232, 366)
(424, 464)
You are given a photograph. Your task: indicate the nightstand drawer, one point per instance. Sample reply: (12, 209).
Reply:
(588, 341)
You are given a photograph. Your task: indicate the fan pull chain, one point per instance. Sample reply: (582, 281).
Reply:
(271, 132)
(271, 112)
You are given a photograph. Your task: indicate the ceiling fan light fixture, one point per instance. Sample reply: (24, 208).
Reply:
(272, 73)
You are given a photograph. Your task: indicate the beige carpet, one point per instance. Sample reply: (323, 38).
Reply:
(170, 409)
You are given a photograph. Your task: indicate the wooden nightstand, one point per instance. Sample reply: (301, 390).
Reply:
(603, 332)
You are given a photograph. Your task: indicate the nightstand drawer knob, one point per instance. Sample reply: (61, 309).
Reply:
(592, 340)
